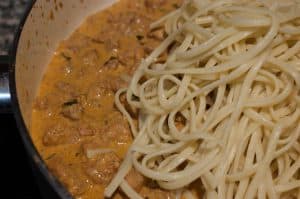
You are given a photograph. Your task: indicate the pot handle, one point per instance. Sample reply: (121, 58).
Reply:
(5, 100)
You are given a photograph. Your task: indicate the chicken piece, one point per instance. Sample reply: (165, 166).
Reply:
(125, 51)
(85, 129)
(75, 43)
(129, 23)
(66, 89)
(70, 175)
(150, 44)
(135, 180)
(158, 34)
(109, 38)
(116, 129)
(58, 134)
(102, 169)
(53, 100)
(154, 4)
(113, 83)
(108, 85)
(90, 58)
(72, 112)
(130, 54)
(112, 63)
(156, 193)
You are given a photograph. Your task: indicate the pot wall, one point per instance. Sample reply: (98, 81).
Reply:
(49, 22)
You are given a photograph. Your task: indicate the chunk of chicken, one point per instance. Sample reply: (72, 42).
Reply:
(135, 180)
(116, 129)
(108, 85)
(154, 4)
(158, 34)
(84, 129)
(129, 22)
(72, 112)
(59, 134)
(156, 193)
(102, 169)
(69, 175)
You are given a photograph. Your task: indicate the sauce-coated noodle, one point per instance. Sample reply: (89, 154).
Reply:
(223, 106)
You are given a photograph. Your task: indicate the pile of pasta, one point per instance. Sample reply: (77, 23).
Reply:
(219, 101)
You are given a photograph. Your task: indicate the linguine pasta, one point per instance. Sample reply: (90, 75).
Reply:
(223, 107)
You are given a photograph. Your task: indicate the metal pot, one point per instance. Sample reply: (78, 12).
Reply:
(45, 24)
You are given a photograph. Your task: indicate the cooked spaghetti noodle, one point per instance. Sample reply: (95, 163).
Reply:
(223, 107)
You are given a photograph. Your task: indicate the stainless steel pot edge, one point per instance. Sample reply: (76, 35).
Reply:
(24, 132)
(5, 106)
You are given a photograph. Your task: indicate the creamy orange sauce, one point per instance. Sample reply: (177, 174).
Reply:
(75, 103)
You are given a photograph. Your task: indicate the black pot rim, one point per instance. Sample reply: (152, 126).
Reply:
(24, 133)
